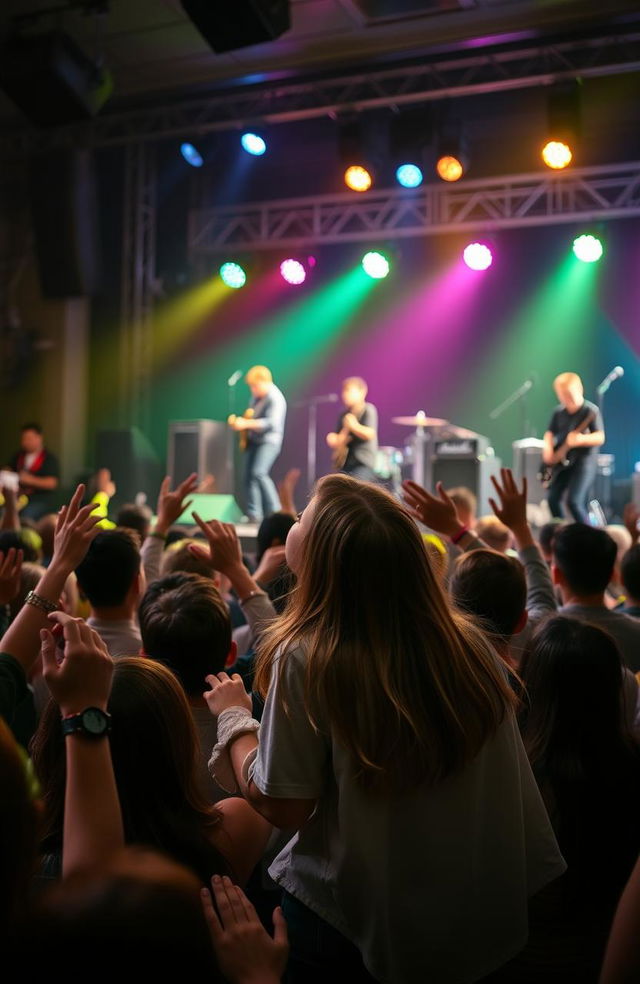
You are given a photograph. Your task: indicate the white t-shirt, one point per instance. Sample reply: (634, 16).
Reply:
(432, 885)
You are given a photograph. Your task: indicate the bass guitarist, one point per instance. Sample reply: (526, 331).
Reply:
(571, 445)
(355, 440)
(262, 426)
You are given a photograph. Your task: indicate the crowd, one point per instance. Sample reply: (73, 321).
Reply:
(398, 744)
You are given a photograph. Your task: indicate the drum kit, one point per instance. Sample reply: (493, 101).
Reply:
(415, 458)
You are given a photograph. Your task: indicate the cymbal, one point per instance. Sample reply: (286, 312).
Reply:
(420, 421)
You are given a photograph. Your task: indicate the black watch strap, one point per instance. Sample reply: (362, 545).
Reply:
(93, 722)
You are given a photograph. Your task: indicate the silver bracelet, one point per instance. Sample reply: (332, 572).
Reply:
(39, 602)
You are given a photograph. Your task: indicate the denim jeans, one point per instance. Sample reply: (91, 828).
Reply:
(261, 495)
(319, 953)
(576, 480)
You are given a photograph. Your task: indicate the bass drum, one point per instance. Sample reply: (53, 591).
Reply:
(388, 467)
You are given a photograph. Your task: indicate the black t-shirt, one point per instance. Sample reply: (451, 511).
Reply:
(562, 422)
(361, 452)
(47, 467)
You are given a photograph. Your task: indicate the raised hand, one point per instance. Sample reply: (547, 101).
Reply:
(271, 564)
(287, 488)
(630, 518)
(171, 505)
(245, 951)
(76, 664)
(512, 510)
(226, 691)
(75, 530)
(10, 569)
(438, 513)
(224, 554)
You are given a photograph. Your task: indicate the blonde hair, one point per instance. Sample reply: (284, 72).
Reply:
(258, 374)
(494, 533)
(410, 687)
(357, 381)
(565, 379)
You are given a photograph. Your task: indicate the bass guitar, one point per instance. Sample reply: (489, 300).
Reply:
(548, 471)
(243, 437)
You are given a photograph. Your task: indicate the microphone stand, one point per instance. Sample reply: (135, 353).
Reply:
(519, 394)
(312, 431)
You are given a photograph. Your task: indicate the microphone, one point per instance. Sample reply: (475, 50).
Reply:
(616, 373)
(234, 377)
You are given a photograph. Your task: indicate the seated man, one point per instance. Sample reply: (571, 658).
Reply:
(112, 580)
(583, 562)
(38, 472)
(185, 624)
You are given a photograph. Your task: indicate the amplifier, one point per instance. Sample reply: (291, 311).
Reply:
(470, 447)
(468, 470)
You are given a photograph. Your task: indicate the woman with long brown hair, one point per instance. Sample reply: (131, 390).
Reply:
(154, 749)
(389, 742)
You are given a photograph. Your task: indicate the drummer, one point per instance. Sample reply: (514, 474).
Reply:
(355, 440)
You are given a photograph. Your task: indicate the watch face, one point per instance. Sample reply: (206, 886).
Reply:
(94, 721)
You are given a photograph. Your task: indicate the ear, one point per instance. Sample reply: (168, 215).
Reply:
(556, 574)
(233, 653)
(522, 621)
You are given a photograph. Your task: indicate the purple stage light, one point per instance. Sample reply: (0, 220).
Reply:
(293, 272)
(478, 256)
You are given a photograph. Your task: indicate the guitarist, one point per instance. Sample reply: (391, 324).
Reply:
(355, 439)
(264, 431)
(571, 445)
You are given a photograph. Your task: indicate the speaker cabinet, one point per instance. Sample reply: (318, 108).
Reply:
(527, 461)
(222, 507)
(474, 473)
(133, 463)
(64, 217)
(226, 26)
(200, 446)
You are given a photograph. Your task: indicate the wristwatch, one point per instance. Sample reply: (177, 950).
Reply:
(92, 722)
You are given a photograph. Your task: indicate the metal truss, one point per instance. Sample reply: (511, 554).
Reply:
(138, 286)
(493, 69)
(582, 194)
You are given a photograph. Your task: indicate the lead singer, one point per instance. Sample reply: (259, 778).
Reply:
(263, 427)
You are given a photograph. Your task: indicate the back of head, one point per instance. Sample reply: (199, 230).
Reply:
(386, 659)
(258, 374)
(185, 623)
(465, 502)
(133, 517)
(494, 533)
(573, 674)
(178, 559)
(109, 569)
(547, 534)
(630, 572)
(26, 540)
(273, 532)
(492, 587)
(585, 557)
(141, 912)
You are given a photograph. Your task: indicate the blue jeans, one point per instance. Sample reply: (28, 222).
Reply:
(576, 480)
(319, 953)
(261, 495)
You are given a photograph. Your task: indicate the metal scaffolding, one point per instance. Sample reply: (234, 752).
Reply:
(466, 73)
(581, 194)
(138, 285)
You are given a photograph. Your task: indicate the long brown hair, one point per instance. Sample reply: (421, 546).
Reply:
(410, 687)
(154, 750)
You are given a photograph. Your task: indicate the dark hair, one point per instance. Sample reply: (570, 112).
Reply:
(155, 750)
(185, 624)
(134, 517)
(180, 560)
(273, 527)
(630, 571)
(547, 534)
(586, 762)
(492, 587)
(11, 539)
(31, 426)
(107, 572)
(585, 556)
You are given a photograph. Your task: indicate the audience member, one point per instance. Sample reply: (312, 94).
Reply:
(112, 580)
(37, 470)
(185, 624)
(131, 516)
(630, 576)
(583, 562)
(588, 767)
(494, 533)
(389, 742)
(466, 504)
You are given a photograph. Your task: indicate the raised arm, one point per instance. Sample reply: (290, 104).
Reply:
(81, 680)
(170, 507)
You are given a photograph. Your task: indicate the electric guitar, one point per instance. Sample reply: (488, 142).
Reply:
(243, 436)
(548, 472)
(341, 450)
